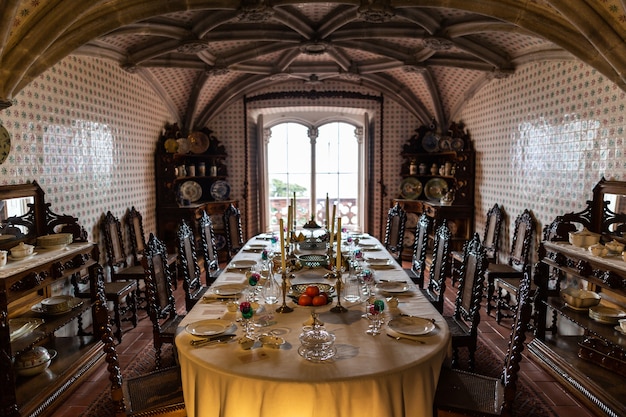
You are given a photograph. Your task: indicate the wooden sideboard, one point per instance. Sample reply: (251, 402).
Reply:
(23, 285)
(587, 356)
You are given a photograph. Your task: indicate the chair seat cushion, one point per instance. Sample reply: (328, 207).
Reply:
(155, 391)
(457, 330)
(502, 270)
(119, 288)
(460, 390)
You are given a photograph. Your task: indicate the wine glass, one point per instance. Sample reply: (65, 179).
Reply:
(247, 312)
(375, 315)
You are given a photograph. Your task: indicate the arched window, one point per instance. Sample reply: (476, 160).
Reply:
(312, 163)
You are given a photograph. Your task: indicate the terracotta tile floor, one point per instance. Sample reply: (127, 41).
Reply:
(561, 401)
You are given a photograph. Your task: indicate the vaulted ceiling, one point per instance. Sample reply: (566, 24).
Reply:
(199, 56)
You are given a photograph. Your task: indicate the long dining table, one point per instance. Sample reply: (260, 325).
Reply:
(368, 376)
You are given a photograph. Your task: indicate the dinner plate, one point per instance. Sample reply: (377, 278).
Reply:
(457, 144)
(411, 188)
(191, 190)
(209, 327)
(445, 143)
(393, 286)
(19, 326)
(377, 261)
(619, 329)
(198, 142)
(229, 289)
(242, 264)
(220, 190)
(430, 142)
(73, 303)
(257, 246)
(435, 188)
(414, 326)
(576, 308)
(605, 314)
(170, 145)
(367, 244)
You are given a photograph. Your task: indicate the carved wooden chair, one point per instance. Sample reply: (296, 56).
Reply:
(437, 274)
(491, 241)
(157, 393)
(234, 231)
(464, 322)
(160, 298)
(517, 261)
(134, 222)
(394, 232)
(117, 258)
(479, 395)
(188, 264)
(420, 247)
(208, 249)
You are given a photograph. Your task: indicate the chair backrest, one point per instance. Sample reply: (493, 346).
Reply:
(522, 237)
(207, 243)
(437, 274)
(491, 237)
(394, 233)
(134, 222)
(161, 302)
(420, 247)
(234, 232)
(188, 264)
(114, 242)
(516, 342)
(472, 276)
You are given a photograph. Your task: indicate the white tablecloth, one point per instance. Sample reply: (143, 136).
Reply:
(369, 376)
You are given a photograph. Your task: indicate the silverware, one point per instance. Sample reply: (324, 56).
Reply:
(212, 340)
(421, 342)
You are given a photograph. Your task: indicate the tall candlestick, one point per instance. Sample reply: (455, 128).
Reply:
(289, 215)
(327, 218)
(282, 245)
(293, 218)
(332, 235)
(338, 244)
(332, 227)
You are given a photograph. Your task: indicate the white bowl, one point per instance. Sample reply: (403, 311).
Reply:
(34, 361)
(22, 250)
(598, 250)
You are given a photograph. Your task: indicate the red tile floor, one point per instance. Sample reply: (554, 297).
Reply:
(493, 334)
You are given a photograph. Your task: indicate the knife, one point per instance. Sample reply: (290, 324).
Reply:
(212, 340)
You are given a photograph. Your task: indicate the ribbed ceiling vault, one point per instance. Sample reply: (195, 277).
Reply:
(430, 56)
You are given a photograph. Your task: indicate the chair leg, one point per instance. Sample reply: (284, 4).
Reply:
(472, 357)
(117, 320)
(131, 302)
(157, 355)
(490, 294)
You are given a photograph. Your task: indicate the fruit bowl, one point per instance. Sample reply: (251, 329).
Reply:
(313, 261)
(299, 289)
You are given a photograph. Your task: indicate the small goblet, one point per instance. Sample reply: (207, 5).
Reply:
(374, 314)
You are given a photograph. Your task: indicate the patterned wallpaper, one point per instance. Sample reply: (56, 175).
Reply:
(544, 137)
(86, 132)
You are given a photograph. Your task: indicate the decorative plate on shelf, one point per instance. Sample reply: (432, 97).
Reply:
(191, 190)
(220, 242)
(198, 142)
(183, 145)
(435, 188)
(457, 144)
(220, 190)
(170, 145)
(5, 143)
(430, 142)
(445, 143)
(411, 188)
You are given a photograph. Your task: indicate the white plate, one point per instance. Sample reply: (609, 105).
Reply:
(18, 327)
(414, 326)
(13, 258)
(229, 289)
(242, 264)
(209, 327)
(257, 246)
(191, 190)
(73, 303)
(377, 261)
(619, 329)
(368, 244)
(393, 287)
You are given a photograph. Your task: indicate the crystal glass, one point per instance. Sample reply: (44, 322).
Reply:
(247, 313)
(374, 313)
(271, 289)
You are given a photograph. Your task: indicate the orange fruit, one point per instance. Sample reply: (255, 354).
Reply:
(305, 300)
(312, 290)
(320, 300)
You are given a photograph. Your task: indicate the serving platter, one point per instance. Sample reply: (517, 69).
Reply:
(198, 142)
(210, 327)
(410, 325)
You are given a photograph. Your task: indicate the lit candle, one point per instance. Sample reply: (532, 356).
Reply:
(282, 245)
(339, 244)
(328, 220)
(289, 214)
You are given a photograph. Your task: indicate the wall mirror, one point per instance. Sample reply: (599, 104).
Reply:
(609, 209)
(22, 214)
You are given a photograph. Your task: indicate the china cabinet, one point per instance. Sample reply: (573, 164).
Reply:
(24, 284)
(581, 347)
(191, 176)
(438, 179)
